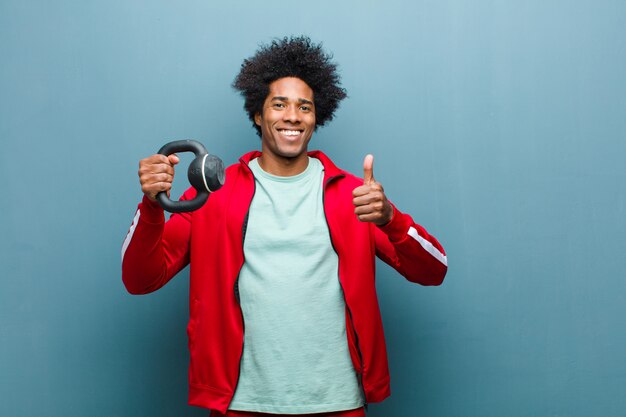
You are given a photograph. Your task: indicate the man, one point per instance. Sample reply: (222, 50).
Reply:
(284, 317)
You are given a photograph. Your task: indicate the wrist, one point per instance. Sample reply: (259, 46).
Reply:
(389, 210)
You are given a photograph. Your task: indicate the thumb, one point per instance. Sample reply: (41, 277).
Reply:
(174, 159)
(368, 169)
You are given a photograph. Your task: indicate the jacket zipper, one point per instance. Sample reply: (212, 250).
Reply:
(236, 286)
(238, 298)
(356, 336)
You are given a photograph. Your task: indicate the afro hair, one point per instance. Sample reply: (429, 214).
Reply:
(290, 57)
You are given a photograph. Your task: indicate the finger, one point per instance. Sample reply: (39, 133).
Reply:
(152, 163)
(373, 208)
(158, 159)
(151, 190)
(155, 169)
(361, 190)
(371, 217)
(368, 169)
(376, 217)
(374, 188)
(173, 159)
(363, 211)
(155, 159)
(158, 177)
(368, 198)
(157, 187)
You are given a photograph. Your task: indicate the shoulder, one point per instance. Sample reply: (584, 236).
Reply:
(333, 170)
(241, 166)
(350, 180)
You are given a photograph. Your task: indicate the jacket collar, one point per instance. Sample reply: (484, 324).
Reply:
(330, 168)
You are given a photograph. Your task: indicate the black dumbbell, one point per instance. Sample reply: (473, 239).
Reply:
(205, 173)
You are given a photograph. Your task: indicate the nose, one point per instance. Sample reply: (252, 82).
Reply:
(291, 114)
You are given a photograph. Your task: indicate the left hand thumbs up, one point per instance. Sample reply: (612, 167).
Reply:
(370, 202)
(368, 170)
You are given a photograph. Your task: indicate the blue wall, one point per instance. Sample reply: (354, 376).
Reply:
(501, 126)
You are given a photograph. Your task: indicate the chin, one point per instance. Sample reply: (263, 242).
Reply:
(291, 153)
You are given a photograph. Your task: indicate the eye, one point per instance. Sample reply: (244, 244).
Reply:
(278, 105)
(305, 108)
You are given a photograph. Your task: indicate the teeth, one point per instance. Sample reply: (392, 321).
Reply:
(290, 132)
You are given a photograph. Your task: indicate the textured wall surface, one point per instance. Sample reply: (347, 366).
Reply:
(500, 126)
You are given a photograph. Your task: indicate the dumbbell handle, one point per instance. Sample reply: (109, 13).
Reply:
(196, 175)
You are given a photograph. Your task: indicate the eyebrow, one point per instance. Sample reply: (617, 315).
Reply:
(300, 100)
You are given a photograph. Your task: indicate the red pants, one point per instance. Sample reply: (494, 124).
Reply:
(359, 412)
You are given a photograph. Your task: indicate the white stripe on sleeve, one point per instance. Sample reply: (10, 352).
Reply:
(129, 236)
(428, 247)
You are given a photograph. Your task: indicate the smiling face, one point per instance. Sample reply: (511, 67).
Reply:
(287, 124)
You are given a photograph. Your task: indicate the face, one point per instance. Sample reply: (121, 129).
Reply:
(288, 119)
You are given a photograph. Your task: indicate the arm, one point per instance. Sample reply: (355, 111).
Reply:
(410, 250)
(400, 242)
(155, 250)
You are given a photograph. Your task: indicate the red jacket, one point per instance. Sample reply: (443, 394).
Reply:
(211, 240)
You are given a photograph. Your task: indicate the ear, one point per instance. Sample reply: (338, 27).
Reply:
(257, 119)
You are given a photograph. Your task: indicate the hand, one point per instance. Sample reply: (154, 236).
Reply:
(370, 202)
(156, 174)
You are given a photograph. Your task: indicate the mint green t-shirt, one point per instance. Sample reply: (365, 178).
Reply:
(295, 355)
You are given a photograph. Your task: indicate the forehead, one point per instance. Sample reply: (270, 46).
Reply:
(290, 87)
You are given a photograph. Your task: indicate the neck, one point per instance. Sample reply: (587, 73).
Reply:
(283, 167)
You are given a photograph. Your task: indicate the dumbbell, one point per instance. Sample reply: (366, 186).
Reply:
(205, 174)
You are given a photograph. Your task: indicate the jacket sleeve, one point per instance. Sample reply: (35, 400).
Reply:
(410, 250)
(154, 250)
